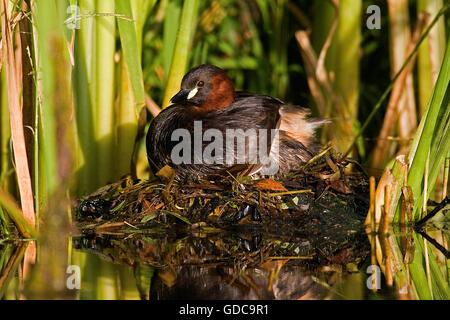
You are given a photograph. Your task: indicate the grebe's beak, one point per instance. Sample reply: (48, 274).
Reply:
(183, 95)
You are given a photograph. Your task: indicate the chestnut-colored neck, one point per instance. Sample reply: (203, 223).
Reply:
(221, 95)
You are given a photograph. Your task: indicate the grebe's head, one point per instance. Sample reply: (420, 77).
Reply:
(207, 88)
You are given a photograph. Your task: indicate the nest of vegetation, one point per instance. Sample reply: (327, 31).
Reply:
(319, 195)
(313, 216)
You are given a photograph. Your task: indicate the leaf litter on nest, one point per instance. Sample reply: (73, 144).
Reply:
(293, 203)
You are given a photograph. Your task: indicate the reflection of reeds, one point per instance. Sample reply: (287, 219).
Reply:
(16, 215)
(10, 262)
(415, 268)
(387, 196)
(407, 261)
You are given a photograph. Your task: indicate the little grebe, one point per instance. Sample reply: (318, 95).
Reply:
(207, 111)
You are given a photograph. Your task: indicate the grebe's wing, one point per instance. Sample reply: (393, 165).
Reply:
(245, 94)
(254, 118)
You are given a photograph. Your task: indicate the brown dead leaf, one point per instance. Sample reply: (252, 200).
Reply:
(147, 206)
(166, 173)
(269, 184)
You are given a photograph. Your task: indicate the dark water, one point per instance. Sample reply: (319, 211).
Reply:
(244, 264)
(249, 266)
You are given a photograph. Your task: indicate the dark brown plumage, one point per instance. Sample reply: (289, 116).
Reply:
(207, 95)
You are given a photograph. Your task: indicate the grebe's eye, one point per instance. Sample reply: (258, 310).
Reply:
(200, 84)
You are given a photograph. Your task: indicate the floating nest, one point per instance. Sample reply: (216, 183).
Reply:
(320, 195)
(315, 213)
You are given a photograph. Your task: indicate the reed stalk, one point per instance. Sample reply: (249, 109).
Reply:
(385, 94)
(400, 39)
(429, 61)
(278, 58)
(6, 169)
(182, 49)
(56, 128)
(141, 10)
(433, 135)
(401, 113)
(342, 65)
(45, 15)
(83, 84)
(131, 98)
(25, 44)
(445, 179)
(13, 69)
(171, 24)
(431, 52)
(104, 104)
(128, 31)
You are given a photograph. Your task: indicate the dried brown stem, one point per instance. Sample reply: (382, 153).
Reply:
(392, 112)
(16, 119)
